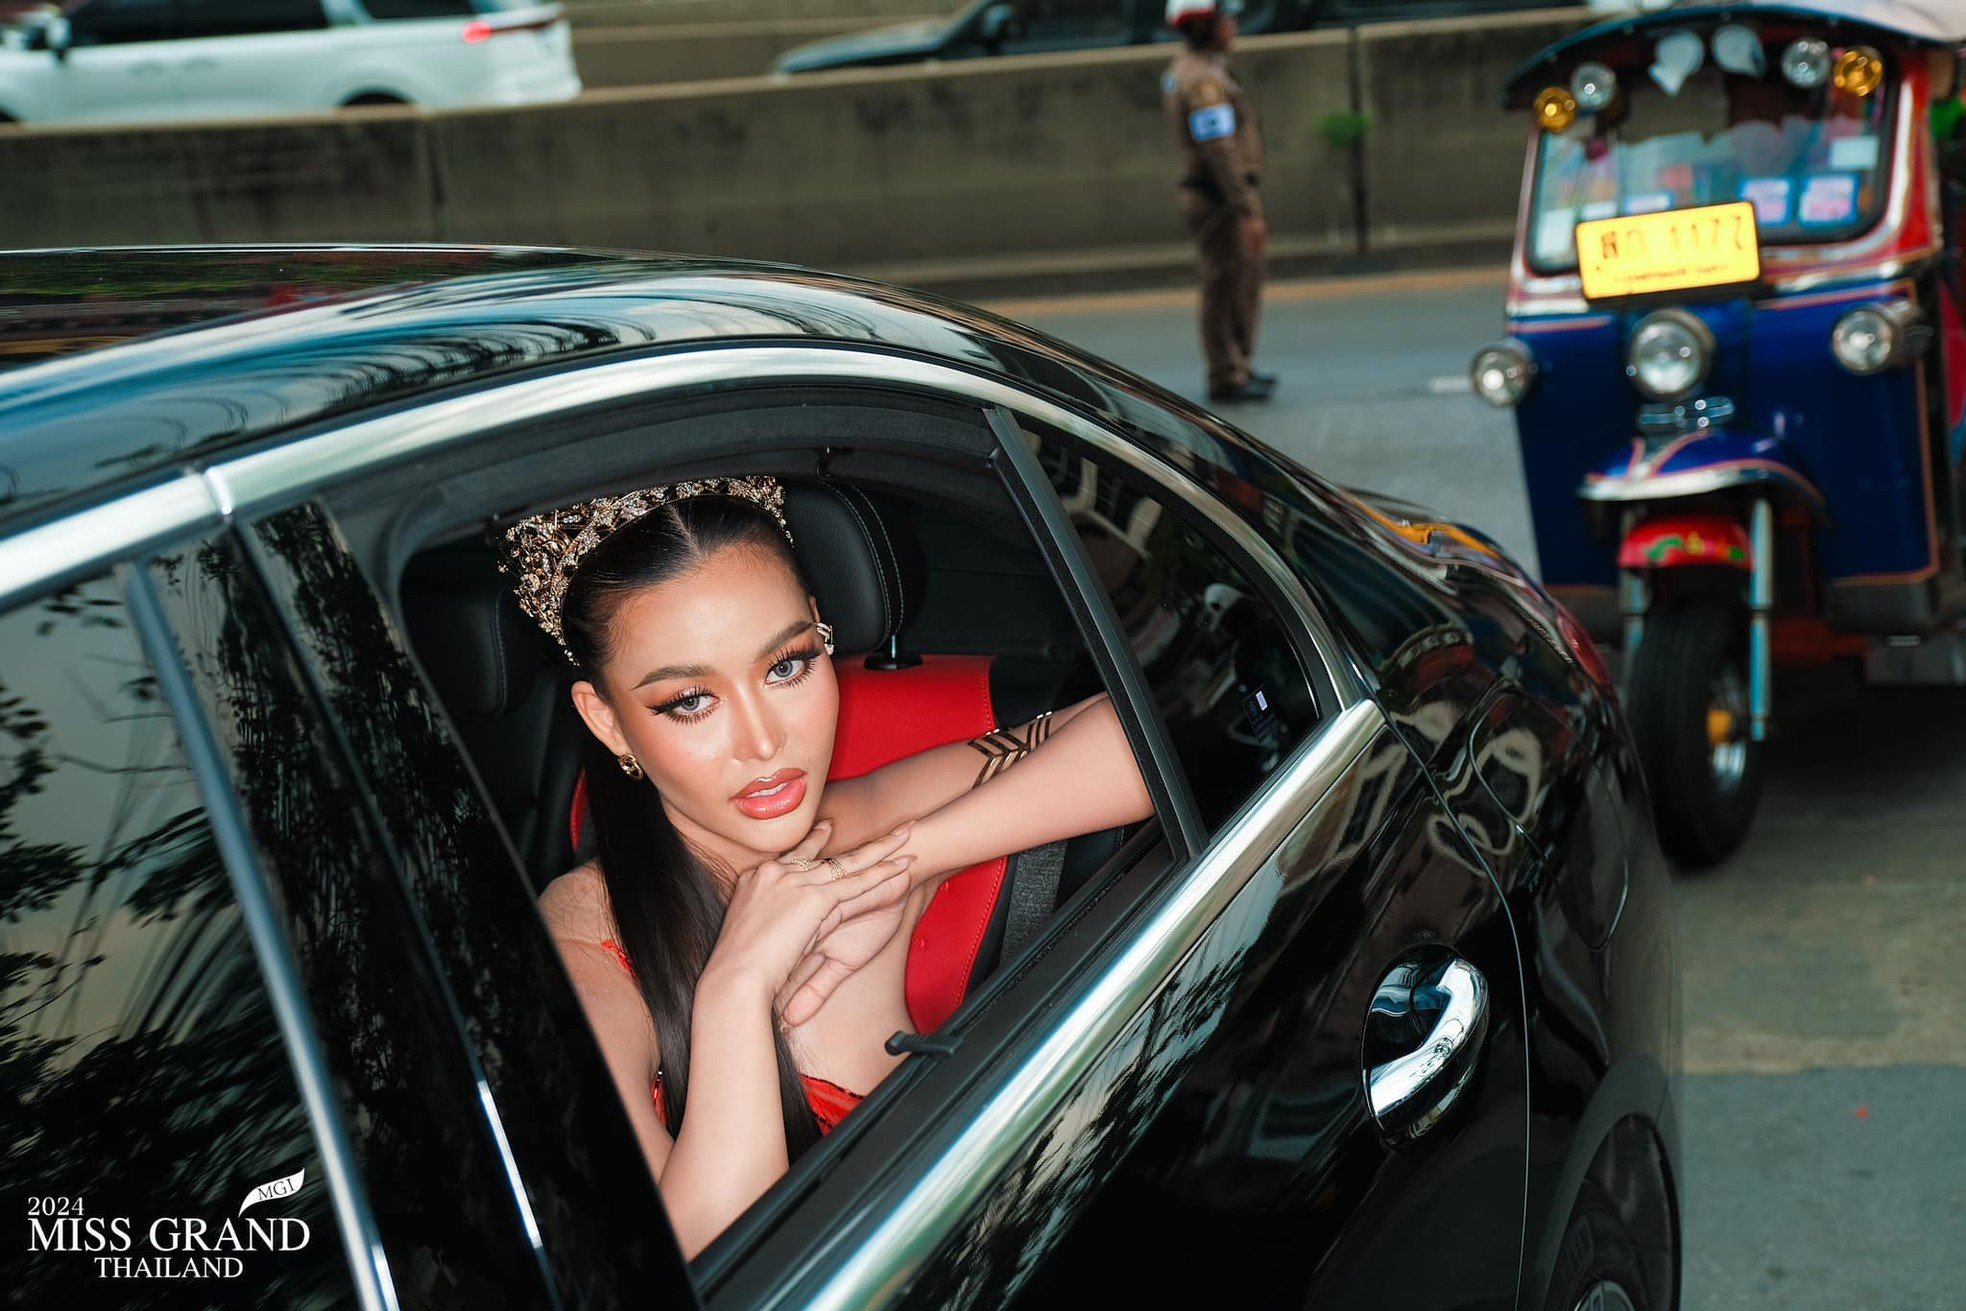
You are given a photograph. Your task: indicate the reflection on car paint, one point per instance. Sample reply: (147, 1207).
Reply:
(558, 1118)
(144, 1071)
(417, 1128)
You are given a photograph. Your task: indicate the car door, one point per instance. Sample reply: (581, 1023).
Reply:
(117, 68)
(243, 58)
(219, 970)
(1366, 1079)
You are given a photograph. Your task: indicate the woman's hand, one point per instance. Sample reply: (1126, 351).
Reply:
(780, 911)
(836, 957)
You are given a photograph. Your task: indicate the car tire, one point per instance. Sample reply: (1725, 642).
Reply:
(1597, 1266)
(1687, 700)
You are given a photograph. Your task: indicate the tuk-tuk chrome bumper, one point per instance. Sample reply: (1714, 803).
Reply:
(1699, 465)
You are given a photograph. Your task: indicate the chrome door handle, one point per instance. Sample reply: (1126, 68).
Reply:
(1410, 1093)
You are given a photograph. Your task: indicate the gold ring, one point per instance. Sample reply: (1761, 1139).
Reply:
(802, 863)
(833, 863)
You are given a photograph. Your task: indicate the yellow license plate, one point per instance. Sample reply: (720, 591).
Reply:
(1714, 246)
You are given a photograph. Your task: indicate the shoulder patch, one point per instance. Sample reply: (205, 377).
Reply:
(1212, 123)
(1169, 83)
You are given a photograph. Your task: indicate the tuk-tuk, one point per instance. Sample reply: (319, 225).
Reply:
(1736, 359)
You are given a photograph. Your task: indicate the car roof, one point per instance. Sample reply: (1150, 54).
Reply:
(292, 336)
(1922, 22)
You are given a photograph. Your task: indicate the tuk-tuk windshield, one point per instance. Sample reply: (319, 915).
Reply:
(1814, 163)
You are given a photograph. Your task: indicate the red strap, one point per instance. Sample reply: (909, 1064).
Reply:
(830, 1102)
(886, 715)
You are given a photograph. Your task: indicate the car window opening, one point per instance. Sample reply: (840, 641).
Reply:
(949, 629)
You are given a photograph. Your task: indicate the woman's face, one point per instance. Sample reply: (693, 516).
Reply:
(719, 685)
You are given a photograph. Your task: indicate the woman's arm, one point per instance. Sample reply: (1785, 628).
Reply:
(975, 806)
(732, 1146)
(928, 780)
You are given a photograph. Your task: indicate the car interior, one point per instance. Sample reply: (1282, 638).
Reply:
(948, 621)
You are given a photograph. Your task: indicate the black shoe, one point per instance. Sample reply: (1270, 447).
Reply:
(1242, 391)
(1263, 379)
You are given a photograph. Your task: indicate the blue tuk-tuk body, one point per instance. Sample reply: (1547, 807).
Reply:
(1736, 358)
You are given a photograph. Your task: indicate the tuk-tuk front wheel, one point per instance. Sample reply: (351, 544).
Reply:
(1688, 703)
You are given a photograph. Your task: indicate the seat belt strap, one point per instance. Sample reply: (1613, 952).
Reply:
(1033, 892)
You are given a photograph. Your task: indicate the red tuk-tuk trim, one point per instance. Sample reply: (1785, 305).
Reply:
(1692, 539)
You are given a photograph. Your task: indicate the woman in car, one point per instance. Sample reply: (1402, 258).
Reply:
(739, 941)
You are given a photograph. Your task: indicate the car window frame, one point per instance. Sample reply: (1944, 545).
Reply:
(250, 485)
(1199, 509)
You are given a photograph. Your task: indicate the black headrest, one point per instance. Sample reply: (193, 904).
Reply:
(855, 556)
(483, 654)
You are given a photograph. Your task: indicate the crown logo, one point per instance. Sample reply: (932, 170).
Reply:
(543, 551)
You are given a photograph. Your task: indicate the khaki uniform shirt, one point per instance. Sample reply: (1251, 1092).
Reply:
(1215, 126)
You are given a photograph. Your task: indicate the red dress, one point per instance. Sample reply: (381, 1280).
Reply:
(830, 1102)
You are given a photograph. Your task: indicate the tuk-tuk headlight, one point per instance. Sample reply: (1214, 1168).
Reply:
(1593, 86)
(1805, 63)
(1669, 355)
(1876, 337)
(1502, 371)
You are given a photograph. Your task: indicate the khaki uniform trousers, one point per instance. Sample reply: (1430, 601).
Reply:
(1231, 288)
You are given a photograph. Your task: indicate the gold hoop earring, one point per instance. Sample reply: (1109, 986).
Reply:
(825, 636)
(629, 765)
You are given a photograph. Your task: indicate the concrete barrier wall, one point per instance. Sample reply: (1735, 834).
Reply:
(691, 52)
(990, 159)
(618, 13)
(1048, 169)
(367, 176)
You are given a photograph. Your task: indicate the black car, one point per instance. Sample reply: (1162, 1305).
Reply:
(1029, 27)
(1378, 1010)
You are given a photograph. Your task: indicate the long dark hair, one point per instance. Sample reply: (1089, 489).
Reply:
(666, 907)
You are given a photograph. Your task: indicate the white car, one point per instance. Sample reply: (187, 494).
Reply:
(124, 61)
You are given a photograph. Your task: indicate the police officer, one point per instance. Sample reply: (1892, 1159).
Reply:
(1222, 164)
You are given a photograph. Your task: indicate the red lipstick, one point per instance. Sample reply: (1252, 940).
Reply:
(775, 795)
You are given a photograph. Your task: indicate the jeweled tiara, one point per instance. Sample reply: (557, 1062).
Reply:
(543, 552)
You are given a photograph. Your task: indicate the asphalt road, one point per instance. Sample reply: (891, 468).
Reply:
(1825, 1031)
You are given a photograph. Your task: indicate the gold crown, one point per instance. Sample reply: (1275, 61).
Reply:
(543, 552)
